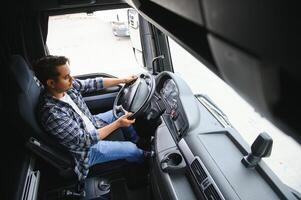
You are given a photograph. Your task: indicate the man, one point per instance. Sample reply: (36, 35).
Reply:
(64, 114)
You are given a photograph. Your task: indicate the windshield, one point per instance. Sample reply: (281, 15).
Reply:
(234, 110)
(98, 42)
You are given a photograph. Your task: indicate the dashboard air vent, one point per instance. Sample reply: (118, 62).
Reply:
(211, 193)
(198, 171)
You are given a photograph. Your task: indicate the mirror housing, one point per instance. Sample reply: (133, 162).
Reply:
(133, 23)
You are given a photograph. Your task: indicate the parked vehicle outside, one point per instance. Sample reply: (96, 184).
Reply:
(120, 24)
(120, 28)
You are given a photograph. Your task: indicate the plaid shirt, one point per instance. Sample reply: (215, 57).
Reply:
(61, 120)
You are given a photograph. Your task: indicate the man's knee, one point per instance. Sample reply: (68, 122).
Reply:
(132, 149)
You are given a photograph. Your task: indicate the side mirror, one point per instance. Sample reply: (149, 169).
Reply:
(133, 23)
(261, 147)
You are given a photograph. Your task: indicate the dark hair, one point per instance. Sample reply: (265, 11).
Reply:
(45, 67)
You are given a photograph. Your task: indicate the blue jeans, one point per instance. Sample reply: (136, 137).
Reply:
(104, 151)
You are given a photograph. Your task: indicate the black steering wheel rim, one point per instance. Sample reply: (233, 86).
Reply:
(144, 80)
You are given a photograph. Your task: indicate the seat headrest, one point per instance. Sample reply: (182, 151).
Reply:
(23, 75)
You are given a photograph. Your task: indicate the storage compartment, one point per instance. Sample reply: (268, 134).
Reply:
(227, 154)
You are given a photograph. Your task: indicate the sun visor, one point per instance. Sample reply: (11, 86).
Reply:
(189, 10)
(71, 4)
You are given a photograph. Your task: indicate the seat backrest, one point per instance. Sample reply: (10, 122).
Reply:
(29, 91)
(39, 141)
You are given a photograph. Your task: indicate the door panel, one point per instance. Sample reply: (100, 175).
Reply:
(100, 103)
(102, 100)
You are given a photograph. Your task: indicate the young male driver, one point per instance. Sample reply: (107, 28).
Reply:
(64, 114)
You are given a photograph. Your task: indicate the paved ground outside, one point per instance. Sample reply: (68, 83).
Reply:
(96, 49)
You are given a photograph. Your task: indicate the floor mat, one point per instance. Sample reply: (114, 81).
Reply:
(119, 190)
(141, 193)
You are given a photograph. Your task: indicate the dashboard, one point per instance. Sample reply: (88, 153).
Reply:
(198, 155)
(170, 94)
(170, 102)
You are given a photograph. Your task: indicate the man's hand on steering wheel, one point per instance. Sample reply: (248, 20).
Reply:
(123, 121)
(130, 79)
(135, 95)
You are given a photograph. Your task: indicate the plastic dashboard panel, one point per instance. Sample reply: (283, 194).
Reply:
(171, 185)
(219, 151)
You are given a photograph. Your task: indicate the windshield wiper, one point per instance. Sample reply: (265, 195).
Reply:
(221, 117)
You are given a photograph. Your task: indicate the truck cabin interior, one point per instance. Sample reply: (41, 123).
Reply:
(251, 45)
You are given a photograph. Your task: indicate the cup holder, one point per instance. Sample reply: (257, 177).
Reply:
(173, 162)
(174, 159)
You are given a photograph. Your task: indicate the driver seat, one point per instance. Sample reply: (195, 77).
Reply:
(39, 142)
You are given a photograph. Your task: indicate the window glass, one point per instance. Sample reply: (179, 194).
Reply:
(94, 43)
(284, 160)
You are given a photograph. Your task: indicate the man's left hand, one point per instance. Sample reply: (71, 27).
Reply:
(130, 79)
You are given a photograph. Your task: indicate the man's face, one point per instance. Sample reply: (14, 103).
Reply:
(64, 81)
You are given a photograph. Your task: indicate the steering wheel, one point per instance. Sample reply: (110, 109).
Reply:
(134, 97)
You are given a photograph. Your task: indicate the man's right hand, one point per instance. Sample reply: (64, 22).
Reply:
(120, 122)
(124, 121)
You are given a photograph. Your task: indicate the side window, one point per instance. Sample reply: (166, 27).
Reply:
(240, 114)
(96, 43)
(202, 81)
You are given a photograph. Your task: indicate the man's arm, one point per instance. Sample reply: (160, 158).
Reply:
(108, 82)
(67, 131)
(94, 84)
(88, 85)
